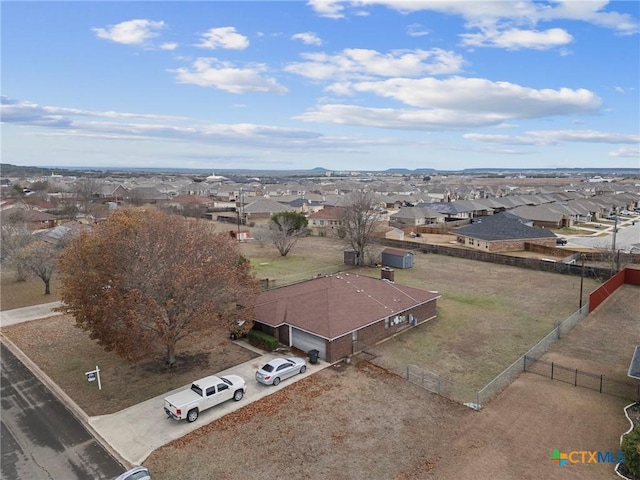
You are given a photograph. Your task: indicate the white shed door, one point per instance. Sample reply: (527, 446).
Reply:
(306, 341)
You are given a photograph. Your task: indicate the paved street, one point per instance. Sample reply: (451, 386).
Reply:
(41, 439)
(627, 236)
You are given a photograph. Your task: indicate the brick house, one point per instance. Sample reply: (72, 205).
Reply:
(326, 221)
(341, 314)
(503, 232)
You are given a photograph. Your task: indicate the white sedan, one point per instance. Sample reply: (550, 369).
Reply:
(280, 368)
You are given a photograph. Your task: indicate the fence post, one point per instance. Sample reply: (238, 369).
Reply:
(600, 383)
(551, 370)
(575, 381)
(439, 385)
(407, 372)
(524, 366)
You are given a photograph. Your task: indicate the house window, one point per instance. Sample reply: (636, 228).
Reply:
(354, 335)
(386, 322)
(321, 223)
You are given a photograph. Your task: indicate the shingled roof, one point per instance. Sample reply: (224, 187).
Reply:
(334, 305)
(502, 226)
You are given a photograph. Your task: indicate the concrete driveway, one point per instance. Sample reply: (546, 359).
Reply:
(137, 431)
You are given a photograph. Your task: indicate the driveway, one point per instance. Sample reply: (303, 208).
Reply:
(137, 431)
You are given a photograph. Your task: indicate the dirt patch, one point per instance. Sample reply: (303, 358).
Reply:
(335, 424)
(515, 435)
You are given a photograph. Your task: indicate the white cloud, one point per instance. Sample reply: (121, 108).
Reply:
(433, 119)
(478, 95)
(308, 38)
(168, 46)
(514, 39)
(451, 104)
(625, 152)
(552, 137)
(417, 30)
(366, 63)
(223, 37)
(176, 129)
(131, 32)
(327, 8)
(209, 72)
(526, 12)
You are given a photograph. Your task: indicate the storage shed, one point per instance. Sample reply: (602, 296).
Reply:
(394, 257)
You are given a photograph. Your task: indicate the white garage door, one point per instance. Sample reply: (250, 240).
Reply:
(306, 341)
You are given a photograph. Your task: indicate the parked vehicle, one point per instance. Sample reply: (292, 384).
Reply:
(136, 473)
(204, 393)
(561, 241)
(280, 368)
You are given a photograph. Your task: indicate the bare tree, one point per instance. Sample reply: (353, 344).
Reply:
(286, 228)
(360, 217)
(14, 236)
(40, 257)
(85, 189)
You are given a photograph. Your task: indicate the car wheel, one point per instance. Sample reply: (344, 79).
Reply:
(192, 415)
(303, 368)
(276, 381)
(238, 395)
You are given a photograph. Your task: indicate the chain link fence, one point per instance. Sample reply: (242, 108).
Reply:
(460, 393)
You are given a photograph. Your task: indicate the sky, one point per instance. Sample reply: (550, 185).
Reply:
(343, 85)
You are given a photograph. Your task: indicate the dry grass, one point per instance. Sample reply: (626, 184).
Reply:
(14, 294)
(65, 353)
(488, 316)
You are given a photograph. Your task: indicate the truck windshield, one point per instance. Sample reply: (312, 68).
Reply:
(196, 389)
(227, 381)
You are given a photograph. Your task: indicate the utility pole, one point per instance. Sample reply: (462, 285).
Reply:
(615, 230)
(581, 278)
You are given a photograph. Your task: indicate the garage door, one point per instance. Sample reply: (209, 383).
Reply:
(306, 341)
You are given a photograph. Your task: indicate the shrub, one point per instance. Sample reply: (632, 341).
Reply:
(262, 340)
(631, 448)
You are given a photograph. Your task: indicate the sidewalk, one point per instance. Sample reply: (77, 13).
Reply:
(26, 314)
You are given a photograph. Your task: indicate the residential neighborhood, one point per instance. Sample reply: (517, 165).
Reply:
(350, 312)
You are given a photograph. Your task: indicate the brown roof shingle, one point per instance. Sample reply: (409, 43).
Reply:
(334, 305)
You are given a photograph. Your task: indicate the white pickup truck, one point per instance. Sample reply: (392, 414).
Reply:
(204, 393)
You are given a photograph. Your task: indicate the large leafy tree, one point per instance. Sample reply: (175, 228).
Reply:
(286, 228)
(360, 217)
(145, 280)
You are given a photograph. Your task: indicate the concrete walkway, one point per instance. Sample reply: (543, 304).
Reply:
(26, 314)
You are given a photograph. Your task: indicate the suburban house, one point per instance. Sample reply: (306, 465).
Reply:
(261, 209)
(341, 314)
(414, 216)
(503, 232)
(326, 221)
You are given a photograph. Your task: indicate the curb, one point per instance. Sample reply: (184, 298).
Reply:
(66, 400)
